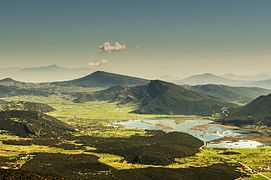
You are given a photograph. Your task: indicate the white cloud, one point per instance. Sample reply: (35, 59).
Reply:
(108, 47)
(96, 64)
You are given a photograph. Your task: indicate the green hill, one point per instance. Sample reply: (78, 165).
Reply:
(6, 91)
(240, 95)
(26, 124)
(8, 81)
(256, 112)
(159, 97)
(25, 106)
(103, 79)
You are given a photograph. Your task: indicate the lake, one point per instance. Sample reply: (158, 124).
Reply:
(204, 129)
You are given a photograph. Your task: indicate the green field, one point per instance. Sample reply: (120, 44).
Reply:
(94, 110)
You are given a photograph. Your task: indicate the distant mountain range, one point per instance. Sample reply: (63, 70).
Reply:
(264, 83)
(55, 73)
(246, 77)
(159, 97)
(43, 74)
(239, 95)
(256, 77)
(208, 78)
(256, 112)
(155, 96)
(103, 79)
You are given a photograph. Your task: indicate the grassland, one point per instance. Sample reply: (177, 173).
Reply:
(257, 159)
(94, 110)
(91, 118)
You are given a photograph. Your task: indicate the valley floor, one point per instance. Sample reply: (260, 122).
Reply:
(101, 151)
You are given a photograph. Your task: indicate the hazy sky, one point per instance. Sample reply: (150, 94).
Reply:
(162, 37)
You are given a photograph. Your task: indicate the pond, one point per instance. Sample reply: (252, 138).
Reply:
(204, 129)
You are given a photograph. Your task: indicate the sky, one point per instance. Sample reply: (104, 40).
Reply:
(156, 38)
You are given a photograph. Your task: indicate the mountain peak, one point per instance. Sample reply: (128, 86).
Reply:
(101, 73)
(54, 66)
(209, 74)
(161, 83)
(206, 75)
(104, 79)
(207, 78)
(42, 68)
(157, 81)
